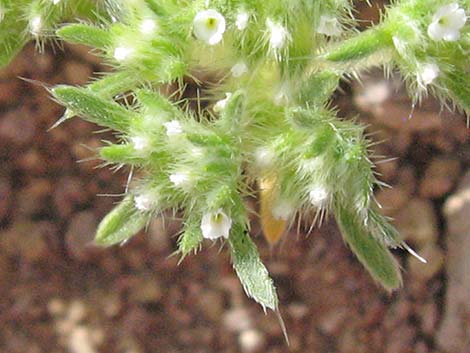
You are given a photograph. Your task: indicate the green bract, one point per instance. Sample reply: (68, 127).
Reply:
(271, 67)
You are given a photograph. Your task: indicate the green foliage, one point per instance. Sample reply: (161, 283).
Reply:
(251, 271)
(268, 71)
(123, 222)
(372, 254)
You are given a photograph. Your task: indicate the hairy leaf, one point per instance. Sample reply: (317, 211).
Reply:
(250, 270)
(375, 257)
(122, 223)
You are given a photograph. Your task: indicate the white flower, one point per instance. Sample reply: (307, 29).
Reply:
(239, 69)
(429, 72)
(146, 201)
(282, 210)
(148, 26)
(311, 165)
(318, 196)
(264, 157)
(36, 25)
(447, 22)
(141, 144)
(209, 26)
(329, 26)
(180, 179)
(215, 225)
(242, 20)
(220, 105)
(173, 128)
(55, 2)
(278, 35)
(122, 53)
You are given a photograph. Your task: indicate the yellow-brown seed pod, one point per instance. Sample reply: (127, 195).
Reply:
(273, 228)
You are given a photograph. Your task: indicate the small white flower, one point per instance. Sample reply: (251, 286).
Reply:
(241, 21)
(55, 2)
(122, 53)
(329, 26)
(221, 104)
(447, 22)
(209, 26)
(264, 157)
(311, 165)
(148, 26)
(318, 196)
(215, 225)
(239, 69)
(36, 25)
(173, 128)
(141, 144)
(429, 72)
(278, 35)
(180, 179)
(146, 201)
(282, 210)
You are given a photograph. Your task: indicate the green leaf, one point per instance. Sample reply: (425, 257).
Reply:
(155, 103)
(457, 83)
(93, 108)
(317, 90)
(324, 138)
(114, 83)
(234, 106)
(250, 270)
(10, 45)
(122, 223)
(191, 238)
(80, 33)
(124, 153)
(375, 256)
(360, 46)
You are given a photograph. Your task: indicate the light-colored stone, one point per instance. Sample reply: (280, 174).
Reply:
(392, 199)
(252, 341)
(237, 320)
(80, 234)
(77, 73)
(425, 271)
(417, 223)
(81, 341)
(439, 177)
(146, 291)
(453, 334)
(332, 322)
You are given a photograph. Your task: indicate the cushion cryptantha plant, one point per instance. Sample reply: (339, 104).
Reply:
(264, 119)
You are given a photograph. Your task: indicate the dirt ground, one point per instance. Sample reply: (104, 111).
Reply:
(61, 294)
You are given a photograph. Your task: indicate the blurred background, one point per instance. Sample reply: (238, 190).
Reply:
(60, 294)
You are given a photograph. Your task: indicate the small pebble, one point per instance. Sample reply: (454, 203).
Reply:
(251, 341)
(439, 177)
(417, 222)
(425, 271)
(237, 320)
